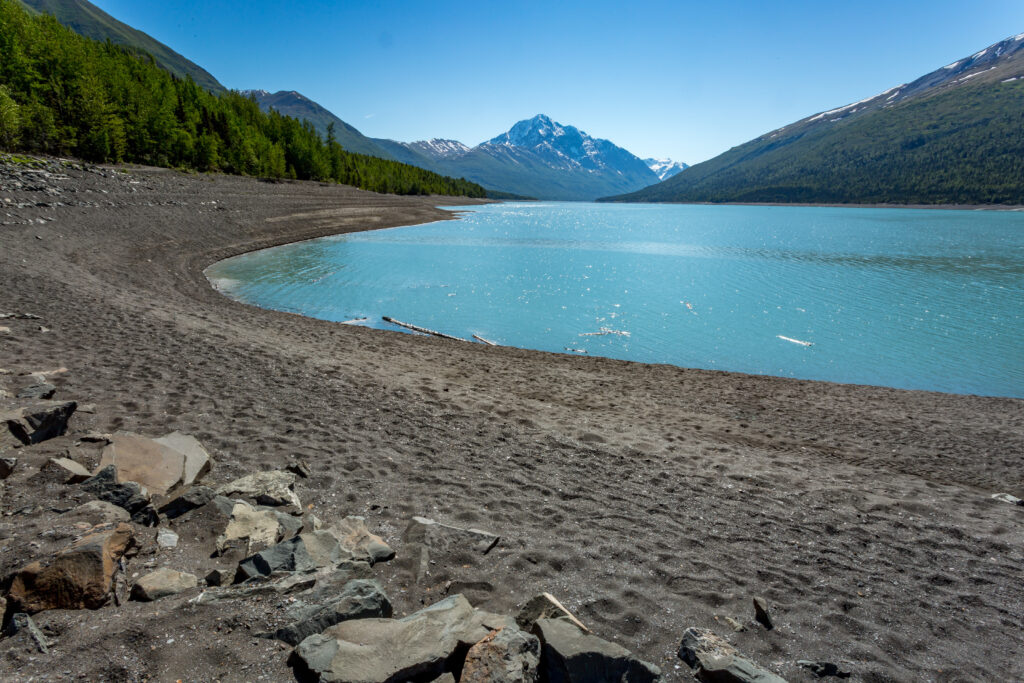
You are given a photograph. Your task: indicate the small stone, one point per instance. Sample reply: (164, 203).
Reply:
(303, 553)
(219, 577)
(74, 473)
(761, 613)
(166, 539)
(23, 622)
(36, 422)
(42, 391)
(1007, 498)
(7, 466)
(251, 528)
(299, 467)
(353, 535)
(162, 583)
(272, 488)
(736, 625)
(823, 669)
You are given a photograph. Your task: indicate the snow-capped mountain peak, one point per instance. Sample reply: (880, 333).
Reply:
(665, 168)
(439, 148)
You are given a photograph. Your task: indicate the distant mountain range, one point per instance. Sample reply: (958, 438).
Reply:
(665, 168)
(953, 136)
(88, 20)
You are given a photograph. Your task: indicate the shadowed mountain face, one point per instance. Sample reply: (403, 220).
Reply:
(952, 136)
(88, 20)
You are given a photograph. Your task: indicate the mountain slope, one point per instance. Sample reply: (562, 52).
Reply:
(291, 103)
(952, 136)
(90, 21)
(538, 158)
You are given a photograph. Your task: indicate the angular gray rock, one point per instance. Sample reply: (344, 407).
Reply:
(1007, 498)
(253, 528)
(36, 422)
(424, 538)
(761, 613)
(188, 500)
(419, 647)
(41, 391)
(162, 583)
(274, 488)
(823, 669)
(7, 466)
(359, 599)
(570, 655)
(22, 622)
(503, 656)
(713, 660)
(128, 495)
(304, 553)
(353, 535)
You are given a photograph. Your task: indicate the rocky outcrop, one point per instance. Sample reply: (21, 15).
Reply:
(76, 578)
(570, 655)
(713, 660)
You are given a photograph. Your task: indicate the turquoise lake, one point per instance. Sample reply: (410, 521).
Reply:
(916, 299)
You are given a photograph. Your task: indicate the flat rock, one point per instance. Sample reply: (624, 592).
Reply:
(569, 654)
(73, 472)
(306, 552)
(97, 512)
(78, 577)
(159, 468)
(162, 583)
(129, 495)
(424, 538)
(197, 461)
(188, 500)
(545, 606)
(251, 529)
(419, 647)
(713, 660)
(359, 599)
(272, 488)
(35, 422)
(503, 656)
(354, 537)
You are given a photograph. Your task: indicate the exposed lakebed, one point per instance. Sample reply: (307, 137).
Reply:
(908, 298)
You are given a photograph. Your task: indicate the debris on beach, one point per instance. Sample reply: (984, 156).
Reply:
(795, 341)
(421, 330)
(485, 341)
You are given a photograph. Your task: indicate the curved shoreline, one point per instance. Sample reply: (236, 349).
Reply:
(646, 498)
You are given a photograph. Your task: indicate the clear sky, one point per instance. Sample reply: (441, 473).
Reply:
(676, 79)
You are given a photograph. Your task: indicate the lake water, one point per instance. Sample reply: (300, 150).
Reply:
(918, 299)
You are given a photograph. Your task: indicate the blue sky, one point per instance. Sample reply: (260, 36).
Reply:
(681, 79)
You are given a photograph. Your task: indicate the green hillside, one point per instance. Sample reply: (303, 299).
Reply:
(90, 21)
(61, 93)
(959, 146)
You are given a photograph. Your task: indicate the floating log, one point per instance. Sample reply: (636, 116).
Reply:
(422, 330)
(485, 341)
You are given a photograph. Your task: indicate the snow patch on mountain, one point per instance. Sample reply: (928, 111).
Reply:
(665, 168)
(439, 148)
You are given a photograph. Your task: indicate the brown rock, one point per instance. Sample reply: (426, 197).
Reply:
(79, 577)
(197, 460)
(157, 467)
(162, 583)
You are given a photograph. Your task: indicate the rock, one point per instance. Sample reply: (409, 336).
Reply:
(188, 500)
(162, 583)
(569, 654)
(78, 577)
(197, 461)
(823, 669)
(219, 577)
(359, 599)
(36, 422)
(304, 553)
(545, 606)
(23, 622)
(418, 647)
(761, 613)
(251, 528)
(41, 391)
(166, 539)
(128, 495)
(300, 468)
(7, 466)
(97, 512)
(266, 488)
(714, 660)
(424, 537)
(74, 473)
(504, 656)
(159, 468)
(353, 535)
(735, 625)
(1007, 498)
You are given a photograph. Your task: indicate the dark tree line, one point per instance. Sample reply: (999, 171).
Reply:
(61, 93)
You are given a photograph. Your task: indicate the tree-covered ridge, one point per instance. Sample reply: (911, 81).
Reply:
(959, 146)
(61, 93)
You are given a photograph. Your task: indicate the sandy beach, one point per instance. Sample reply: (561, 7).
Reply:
(648, 499)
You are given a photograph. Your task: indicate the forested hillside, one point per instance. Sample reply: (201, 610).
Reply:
(61, 93)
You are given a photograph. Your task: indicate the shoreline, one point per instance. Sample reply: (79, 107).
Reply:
(647, 498)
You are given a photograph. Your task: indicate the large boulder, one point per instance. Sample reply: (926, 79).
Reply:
(253, 529)
(159, 468)
(713, 660)
(128, 495)
(503, 656)
(422, 646)
(162, 583)
(274, 488)
(35, 422)
(79, 577)
(354, 537)
(570, 655)
(359, 599)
